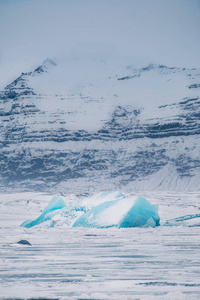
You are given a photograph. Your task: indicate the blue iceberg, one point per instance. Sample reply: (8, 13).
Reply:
(50, 210)
(123, 213)
(141, 214)
(102, 210)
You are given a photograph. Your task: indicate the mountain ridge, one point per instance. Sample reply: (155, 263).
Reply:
(84, 142)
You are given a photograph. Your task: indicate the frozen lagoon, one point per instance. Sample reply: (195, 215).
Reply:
(91, 263)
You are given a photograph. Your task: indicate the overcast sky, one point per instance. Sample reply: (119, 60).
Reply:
(134, 32)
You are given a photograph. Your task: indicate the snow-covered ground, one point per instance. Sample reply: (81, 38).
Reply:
(77, 263)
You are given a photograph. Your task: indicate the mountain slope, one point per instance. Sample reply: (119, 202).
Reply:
(136, 130)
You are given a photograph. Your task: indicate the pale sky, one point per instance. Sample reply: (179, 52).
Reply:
(136, 32)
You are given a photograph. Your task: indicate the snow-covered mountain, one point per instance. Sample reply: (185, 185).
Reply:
(81, 128)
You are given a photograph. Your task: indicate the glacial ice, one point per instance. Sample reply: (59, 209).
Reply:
(102, 210)
(188, 220)
(50, 210)
(125, 212)
(87, 203)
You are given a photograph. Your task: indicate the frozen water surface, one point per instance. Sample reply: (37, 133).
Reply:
(66, 262)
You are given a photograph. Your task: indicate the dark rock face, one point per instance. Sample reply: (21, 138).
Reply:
(127, 149)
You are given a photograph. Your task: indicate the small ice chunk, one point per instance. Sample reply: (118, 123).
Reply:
(24, 242)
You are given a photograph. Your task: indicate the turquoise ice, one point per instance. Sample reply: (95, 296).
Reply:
(54, 205)
(126, 212)
(102, 210)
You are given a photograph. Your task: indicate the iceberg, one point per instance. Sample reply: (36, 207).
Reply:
(50, 210)
(122, 213)
(102, 210)
(141, 214)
